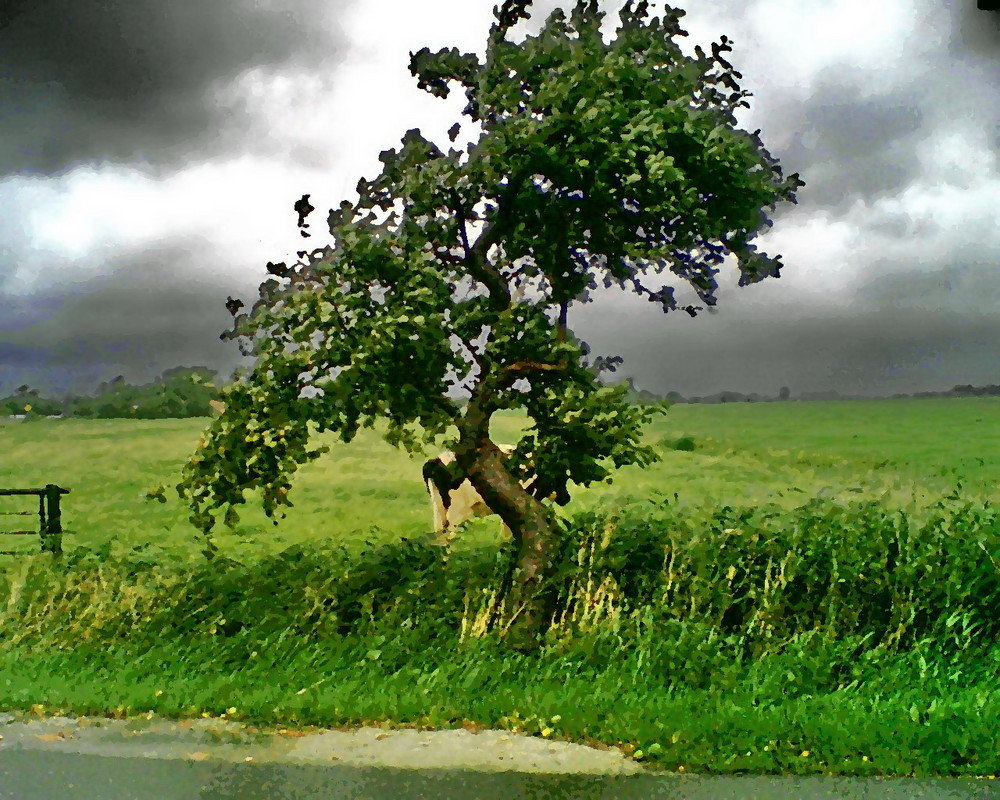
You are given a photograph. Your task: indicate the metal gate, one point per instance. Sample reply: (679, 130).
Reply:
(49, 518)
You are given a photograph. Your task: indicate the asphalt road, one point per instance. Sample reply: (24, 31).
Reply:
(140, 759)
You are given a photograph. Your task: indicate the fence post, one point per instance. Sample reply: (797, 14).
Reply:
(52, 525)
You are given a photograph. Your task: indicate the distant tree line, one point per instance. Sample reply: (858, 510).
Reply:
(183, 392)
(643, 397)
(177, 393)
(959, 391)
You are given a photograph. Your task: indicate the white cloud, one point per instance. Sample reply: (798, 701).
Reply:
(959, 157)
(811, 36)
(89, 207)
(243, 204)
(819, 261)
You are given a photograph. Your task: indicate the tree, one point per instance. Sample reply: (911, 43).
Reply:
(597, 163)
(26, 400)
(178, 392)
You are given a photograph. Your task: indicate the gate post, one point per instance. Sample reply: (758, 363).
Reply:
(52, 522)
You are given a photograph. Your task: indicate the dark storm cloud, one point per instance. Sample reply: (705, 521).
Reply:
(151, 311)
(963, 283)
(876, 353)
(133, 81)
(852, 146)
(973, 29)
(23, 312)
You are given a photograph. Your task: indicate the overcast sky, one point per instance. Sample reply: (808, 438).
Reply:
(151, 153)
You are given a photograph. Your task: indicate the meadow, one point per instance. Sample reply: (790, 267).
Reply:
(793, 588)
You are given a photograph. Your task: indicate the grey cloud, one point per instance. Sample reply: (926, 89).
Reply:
(973, 29)
(853, 138)
(869, 353)
(132, 80)
(847, 145)
(15, 244)
(145, 315)
(960, 285)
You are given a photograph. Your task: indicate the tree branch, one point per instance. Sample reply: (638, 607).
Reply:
(495, 230)
(476, 254)
(479, 266)
(512, 372)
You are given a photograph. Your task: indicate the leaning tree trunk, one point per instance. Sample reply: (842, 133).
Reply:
(536, 544)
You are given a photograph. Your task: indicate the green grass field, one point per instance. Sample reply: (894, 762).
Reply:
(810, 602)
(905, 453)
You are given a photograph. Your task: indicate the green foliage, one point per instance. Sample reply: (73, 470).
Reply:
(27, 402)
(645, 652)
(177, 393)
(757, 577)
(454, 272)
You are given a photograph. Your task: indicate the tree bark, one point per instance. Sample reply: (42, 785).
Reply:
(536, 544)
(533, 528)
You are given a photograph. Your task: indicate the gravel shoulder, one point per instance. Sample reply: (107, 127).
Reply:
(202, 739)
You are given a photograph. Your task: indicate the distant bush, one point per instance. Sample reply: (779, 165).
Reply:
(685, 443)
(178, 393)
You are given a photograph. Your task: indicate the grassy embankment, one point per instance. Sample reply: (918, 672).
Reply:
(809, 602)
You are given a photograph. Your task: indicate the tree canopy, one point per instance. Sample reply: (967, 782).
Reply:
(597, 164)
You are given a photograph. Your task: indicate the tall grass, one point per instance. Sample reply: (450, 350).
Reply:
(829, 638)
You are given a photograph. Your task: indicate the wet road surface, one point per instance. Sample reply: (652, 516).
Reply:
(156, 759)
